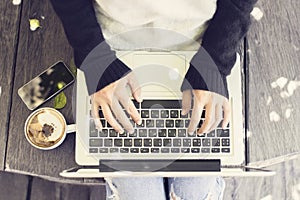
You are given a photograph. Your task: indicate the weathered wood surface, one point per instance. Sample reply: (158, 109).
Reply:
(37, 51)
(273, 53)
(9, 28)
(13, 186)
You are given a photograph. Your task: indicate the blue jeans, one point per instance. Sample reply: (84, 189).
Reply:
(158, 188)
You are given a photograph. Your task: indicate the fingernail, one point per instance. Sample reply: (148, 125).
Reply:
(121, 131)
(191, 133)
(131, 131)
(139, 122)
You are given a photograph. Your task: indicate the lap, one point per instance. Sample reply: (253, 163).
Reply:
(149, 188)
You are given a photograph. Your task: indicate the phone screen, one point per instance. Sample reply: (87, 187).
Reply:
(46, 85)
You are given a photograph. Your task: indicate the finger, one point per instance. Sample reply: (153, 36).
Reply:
(218, 117)
(227, 114)
(195, 118)
(135, 88)
(131, 110)
(186, 101)
(209, 118)
(121, 116)
(110, 118)
(95, 115)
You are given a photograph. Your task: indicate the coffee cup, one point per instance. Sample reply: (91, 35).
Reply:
(46, 128)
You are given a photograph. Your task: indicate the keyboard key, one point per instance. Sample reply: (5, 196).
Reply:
(186, 123)
(223, 133)
(145, 113)
(195, 150)
(165, 150)
(96, 142)
(134, 150)
(206, 142)
(154, 113)
(215, 142)
(211, 134)
(179, 123)
(162, 133)
(225, 150)
(144, 150)
(186, 142)
(93, 130)
(137, 142)
(128, 142)
(174, 114)
(154, 150)
(108, 142)
(196, 142)
(103, 122)
(185, 150)
(205, 150)
(142, 124)
(175, 150)
(176, 142)
(152, 133)
(103, 133)
(160, 123)
(93, 150)
(103, 150)
(183, 116)
(225, 142)
(169, 123)
(201, 135)
(192, 135)
(171, 132)
(167, 142)
(181, 132)
(147, 142)
(157, 142)
(215, 150)
(118, 142)
(124, 150)
(143, 132)
(164, 114)
(134, 134)
(113, 133)
(124, 134)
(113, 150)
(149, 123)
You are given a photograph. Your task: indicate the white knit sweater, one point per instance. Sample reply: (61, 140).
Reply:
(153, 24)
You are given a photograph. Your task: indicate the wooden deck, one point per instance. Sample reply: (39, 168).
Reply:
(271, 51)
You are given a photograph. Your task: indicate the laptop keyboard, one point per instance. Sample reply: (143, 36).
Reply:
(163, 130)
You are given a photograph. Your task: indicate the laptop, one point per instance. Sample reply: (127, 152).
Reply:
(161, 146)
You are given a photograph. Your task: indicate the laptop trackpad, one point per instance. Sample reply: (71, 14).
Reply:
(159, 74)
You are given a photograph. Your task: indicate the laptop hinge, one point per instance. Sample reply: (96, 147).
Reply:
(213, 165)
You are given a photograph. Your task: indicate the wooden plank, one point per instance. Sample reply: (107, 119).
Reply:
(274, 45)
(274, 52)
(13, 186)
(38, 50)
(42, 189)
(9, 23)
(97, 192)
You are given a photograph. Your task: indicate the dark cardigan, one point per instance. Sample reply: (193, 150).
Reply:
(208, 68)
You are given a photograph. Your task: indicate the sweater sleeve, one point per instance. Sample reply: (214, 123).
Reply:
(217, 54)
(85, 36)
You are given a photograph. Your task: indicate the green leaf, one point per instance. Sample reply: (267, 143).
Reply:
(60, 101)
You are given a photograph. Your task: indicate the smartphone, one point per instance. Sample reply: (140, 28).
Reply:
(46, 85)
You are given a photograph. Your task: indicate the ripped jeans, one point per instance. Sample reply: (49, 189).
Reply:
(158, 188)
